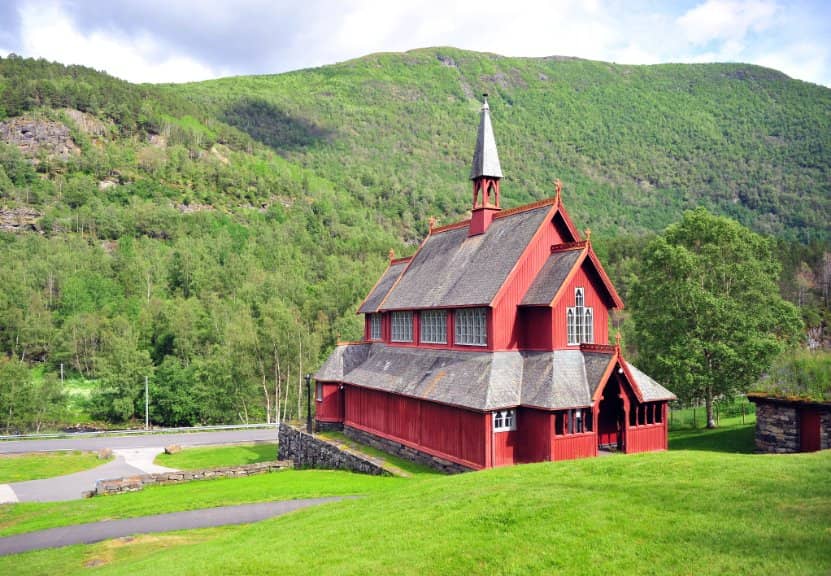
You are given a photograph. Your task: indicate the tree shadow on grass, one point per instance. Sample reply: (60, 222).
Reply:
(735, 439)
(266, 123)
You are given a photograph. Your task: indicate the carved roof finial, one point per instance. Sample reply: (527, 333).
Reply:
(588, 233)
(432, 223)
(485, 156)
(392, 254)
(617, 340)
(558, 187)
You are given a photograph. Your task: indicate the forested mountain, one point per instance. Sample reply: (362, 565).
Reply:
(215, 235)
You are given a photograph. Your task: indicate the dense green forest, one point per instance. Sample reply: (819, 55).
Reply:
(218, 237)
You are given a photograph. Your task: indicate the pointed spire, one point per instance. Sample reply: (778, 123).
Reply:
(485, 157)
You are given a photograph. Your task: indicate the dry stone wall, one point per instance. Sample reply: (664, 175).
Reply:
(135, 483)
(405, 452)
(777, 428)
(309, 451)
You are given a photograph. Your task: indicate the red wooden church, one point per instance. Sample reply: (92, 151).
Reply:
(490, 345)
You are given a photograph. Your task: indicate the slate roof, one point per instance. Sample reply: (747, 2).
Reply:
(380, 290)
(481, 380)
(650, 390)
(452, 269)
(485, 156)
(551, 277)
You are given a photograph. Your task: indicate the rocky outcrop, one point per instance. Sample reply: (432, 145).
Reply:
(19, 219)
(35, 137)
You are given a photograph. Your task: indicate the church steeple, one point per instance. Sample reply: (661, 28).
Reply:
(485, 174)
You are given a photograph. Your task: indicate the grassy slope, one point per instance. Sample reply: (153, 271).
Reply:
(194, 458)
(649, 140)
(14, 468)
(690, 511)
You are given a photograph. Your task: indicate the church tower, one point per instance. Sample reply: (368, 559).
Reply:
(485, 174)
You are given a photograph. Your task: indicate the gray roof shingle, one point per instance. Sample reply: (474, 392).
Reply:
(551, 277)
(452, 269)
(380, 290)
(481, 380)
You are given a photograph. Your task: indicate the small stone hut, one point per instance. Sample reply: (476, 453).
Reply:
(786, 425)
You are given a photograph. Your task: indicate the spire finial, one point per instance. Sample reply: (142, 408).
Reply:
(392, 254)
(485, 156)
(558, 187)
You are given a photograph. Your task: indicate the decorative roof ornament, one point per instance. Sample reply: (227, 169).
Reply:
(485, 157)
(588, 233)
(558, 187)
(432, 222)
(392, 254)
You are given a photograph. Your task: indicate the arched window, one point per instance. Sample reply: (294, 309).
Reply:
(579, 320)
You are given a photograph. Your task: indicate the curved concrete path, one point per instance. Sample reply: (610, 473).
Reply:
(90, 443)
(205, 518)
(129, 462)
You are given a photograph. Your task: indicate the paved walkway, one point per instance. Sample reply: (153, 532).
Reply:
(69, 487)
(93, 443)
(205, 518)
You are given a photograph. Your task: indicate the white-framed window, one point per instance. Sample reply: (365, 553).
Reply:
(579, 320)
(402, 326)
(504, 420)
(433, 326)
(471, 326)
(319, 392)
(374, 326)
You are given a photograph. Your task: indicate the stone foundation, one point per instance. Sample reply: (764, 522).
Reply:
(309, 451)
(402, 451)
(135, 483)
(328, 426)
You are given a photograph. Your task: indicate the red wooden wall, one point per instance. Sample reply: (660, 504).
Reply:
(588, 281)
(330, 409)
(534, 430)
(506, 326)
(536, 328)
(504, 446)
(453, 433)
(573, 446)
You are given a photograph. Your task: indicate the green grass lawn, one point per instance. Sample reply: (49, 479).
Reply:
(18, 468)
(213, 456)
(691, 510)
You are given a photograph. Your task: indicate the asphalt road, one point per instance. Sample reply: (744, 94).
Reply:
(140, 441)
(207, 517)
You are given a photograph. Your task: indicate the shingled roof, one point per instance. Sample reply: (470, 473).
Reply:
(382, 287)
(454, 269)
(485, 156)
(482, 380)
(552, 276)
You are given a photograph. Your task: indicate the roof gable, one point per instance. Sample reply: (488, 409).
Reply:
(382, 287)
(560, 267)
(452, 269)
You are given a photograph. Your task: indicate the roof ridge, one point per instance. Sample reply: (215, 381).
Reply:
(605, 348)
(525, 207)
(350, 342)
(446, 227)
(563, 246)
(400, 260)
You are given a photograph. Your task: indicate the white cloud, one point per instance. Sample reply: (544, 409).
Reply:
(726, 20)
(47, 31)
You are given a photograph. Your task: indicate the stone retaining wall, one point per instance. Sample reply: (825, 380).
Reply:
(309, 451)
(134, 483)
(405, 452)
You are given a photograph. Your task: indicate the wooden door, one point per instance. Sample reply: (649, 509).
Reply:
(809, 430)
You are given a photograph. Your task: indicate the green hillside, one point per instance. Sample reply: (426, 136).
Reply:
(634, 144)
(218, 236)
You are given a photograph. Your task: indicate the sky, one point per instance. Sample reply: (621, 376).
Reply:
(189, 40)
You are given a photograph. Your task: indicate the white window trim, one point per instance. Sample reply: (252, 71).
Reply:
(433, 326)
(375, 326)
(319, 392)
(471, 327)
(402, 327)
(504, 420)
